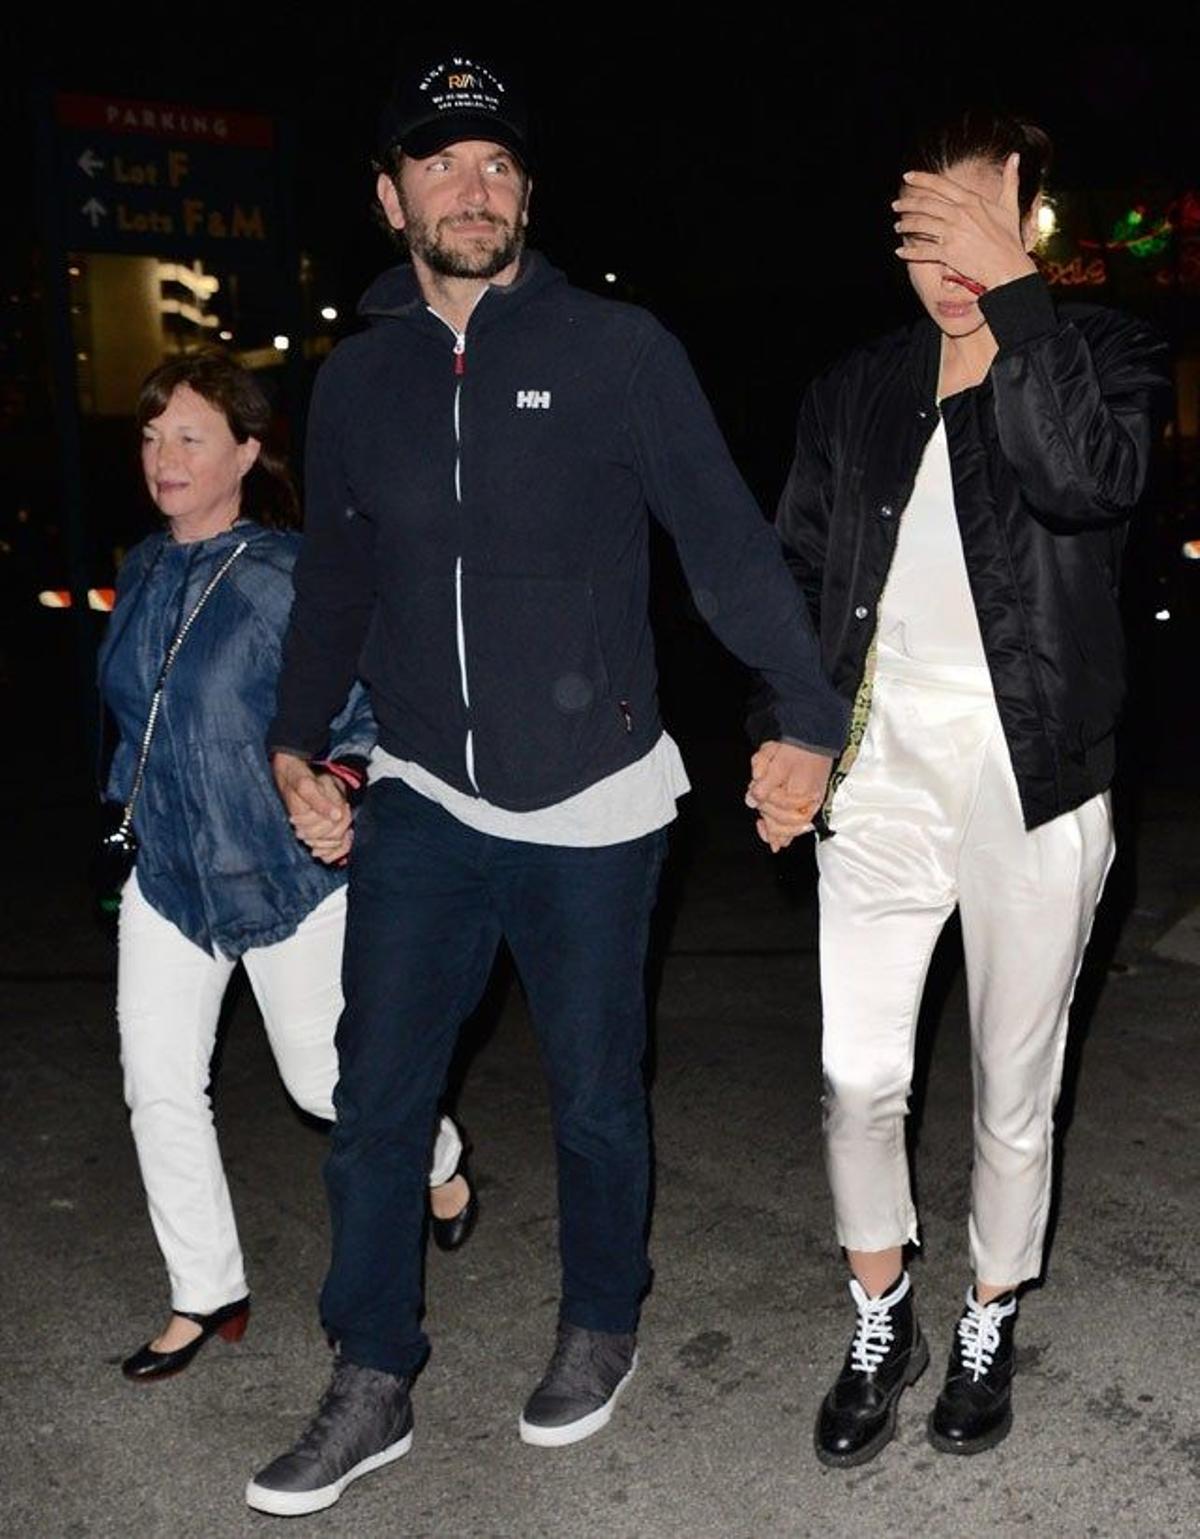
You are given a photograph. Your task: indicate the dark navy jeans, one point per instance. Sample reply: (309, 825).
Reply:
(429, 900)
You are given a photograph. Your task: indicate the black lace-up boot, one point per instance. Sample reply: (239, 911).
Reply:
(888, 1352)
(974, 1409)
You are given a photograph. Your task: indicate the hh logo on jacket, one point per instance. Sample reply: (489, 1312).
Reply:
(533, 400)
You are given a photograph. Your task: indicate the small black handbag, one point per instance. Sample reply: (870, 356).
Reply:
(115, 854)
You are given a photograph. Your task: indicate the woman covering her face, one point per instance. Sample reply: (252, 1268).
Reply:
(955, 516)
(220, 876)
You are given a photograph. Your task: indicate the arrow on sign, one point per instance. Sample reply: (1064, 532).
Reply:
(94, 210)
(89, 163)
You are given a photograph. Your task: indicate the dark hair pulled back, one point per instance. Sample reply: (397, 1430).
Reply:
(268, 491)
(981, 133)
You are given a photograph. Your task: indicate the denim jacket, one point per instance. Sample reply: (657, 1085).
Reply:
(216, 854)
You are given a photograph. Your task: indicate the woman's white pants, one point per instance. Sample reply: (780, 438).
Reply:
(928, 818)
(169, 994)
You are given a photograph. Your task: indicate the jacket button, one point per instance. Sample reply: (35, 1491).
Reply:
(885, 510)
(924, 416)
(861, 612)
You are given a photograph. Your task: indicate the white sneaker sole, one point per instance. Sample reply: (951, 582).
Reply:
(575, 1431)
(294, 1504)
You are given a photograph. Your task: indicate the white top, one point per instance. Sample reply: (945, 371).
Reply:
(927, 614)
(634, 801)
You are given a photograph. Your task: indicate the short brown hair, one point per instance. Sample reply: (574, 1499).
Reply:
(269, 493)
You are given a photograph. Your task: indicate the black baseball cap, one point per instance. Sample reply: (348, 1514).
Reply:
(457, 98)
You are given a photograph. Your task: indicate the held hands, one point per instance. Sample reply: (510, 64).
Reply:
(786, 788)
(316, 807)
(941, 220)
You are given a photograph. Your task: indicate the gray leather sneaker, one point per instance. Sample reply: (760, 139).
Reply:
(577, 1394)
(364, 1421)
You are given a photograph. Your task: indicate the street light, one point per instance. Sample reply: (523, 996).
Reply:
(329, 312)
(1047, 218)
(281, 343)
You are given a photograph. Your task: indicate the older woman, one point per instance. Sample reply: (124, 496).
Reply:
(955, 515)
(188, 672)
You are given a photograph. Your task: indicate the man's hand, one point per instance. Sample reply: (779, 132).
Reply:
(786, 788)
(316, 807)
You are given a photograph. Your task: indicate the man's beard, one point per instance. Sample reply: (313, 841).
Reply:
(464, 261)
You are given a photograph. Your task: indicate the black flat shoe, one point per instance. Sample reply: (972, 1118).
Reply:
(451, 1233)
(229, 1322)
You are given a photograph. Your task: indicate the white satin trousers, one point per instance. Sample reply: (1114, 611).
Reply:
(928, 818)
(169, 994)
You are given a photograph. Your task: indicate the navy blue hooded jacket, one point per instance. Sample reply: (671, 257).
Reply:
(476, 541)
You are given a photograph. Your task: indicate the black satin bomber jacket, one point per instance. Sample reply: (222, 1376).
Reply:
(1049, 457)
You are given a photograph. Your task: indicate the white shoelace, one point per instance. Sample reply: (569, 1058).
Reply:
(979, 1333)
(873, 1335)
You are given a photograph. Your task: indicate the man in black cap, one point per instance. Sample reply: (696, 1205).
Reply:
(481, 461)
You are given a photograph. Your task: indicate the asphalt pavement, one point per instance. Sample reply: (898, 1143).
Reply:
(749, 1315)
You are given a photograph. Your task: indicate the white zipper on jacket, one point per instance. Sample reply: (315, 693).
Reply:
(460, 367)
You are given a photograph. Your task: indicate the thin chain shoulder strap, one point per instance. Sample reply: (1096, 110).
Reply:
(167, 664)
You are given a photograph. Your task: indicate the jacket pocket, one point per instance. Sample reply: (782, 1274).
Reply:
(536, 675)
(409, 661)
(241, 827)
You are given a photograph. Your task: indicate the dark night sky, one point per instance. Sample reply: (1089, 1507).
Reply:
(757, 149)
(736, 177)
